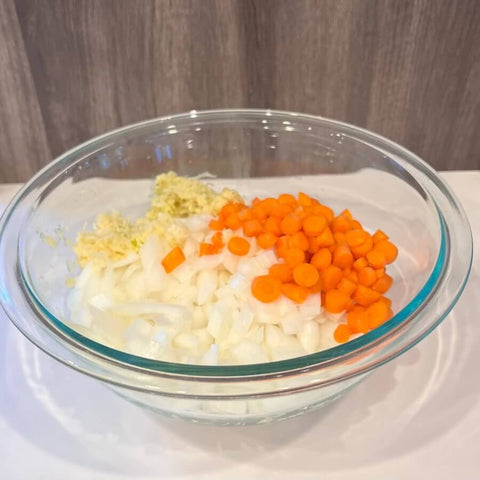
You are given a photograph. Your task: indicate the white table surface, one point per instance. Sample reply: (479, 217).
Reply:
(417, 417)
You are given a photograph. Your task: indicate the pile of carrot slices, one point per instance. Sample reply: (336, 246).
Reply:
(318, 252)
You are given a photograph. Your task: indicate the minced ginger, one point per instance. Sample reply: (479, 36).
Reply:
(114, 236)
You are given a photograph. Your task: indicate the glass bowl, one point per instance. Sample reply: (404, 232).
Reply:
(260, 152)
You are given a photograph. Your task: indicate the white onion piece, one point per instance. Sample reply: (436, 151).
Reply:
(152, 252)
(206, 286)
(239, 283)
(311, 307)
(129, 259)
(273, 336)
(309, 336)
(204, 338)
(169, 311)
(219, 322)
(197, 223)
(292, 323)
(231, 263)
(199, 318)
(290, 349)
(248, 352)
(326, 334)
(335, 317)
(211, 356)
(138, 340)
(187, 341)
(256, 334)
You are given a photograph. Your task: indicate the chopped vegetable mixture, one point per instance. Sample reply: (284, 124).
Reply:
(205, 277)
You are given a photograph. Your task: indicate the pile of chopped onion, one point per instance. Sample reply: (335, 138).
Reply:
(203, 312)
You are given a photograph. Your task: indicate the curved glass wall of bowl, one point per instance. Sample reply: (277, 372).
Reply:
(259, 153)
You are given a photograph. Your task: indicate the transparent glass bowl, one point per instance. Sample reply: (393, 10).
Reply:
(260, 152)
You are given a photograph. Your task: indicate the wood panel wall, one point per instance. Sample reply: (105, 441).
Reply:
(72, 69)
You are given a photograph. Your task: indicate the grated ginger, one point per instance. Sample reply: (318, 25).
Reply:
(114, 236)
(184, 197)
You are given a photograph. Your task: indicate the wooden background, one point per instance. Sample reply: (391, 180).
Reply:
(71, 69)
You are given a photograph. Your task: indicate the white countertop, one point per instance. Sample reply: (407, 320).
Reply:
(417, 417)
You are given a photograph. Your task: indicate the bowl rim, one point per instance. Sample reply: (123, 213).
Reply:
(315, 361)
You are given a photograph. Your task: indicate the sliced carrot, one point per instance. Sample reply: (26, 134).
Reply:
(230, 208)
(377, 313)
(357, 320)
(323, 211)
(266, 288)
(287, 199)
(268, 204)
(360, 263)
(383, 284)
(330, 277)
(340, 224)
(322, 259)
(347, 214)
(305, 275)
(389, 250)
(259, 212)
(298, 240)
(272, 225)
(362, 249)
(317, 288)
(353, 276)
(252, 228)
(386, 301)
(232, 221)
(356, 237)
(347, 286)
(335, 300)
(379, 272)
(365, 296)
(215, 224)
(266, 240)
(294, 256)
(325, 239)
(290, 224)
(281, 246)
(173, 259)
(314, 225)
(227, 209)
(313, 246)
(282, 242)
(294, 292)
(355, 224)
(376, 258)
(300, 212)
(281, 210)
(379, 236)
(342, 333)
(207, 249)
(342, 256)
(350, 305)
(217, 240)
(282, 271)
(367, 276)
(245, 214)
(339, 238)
(238, 246)
(304, 200)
